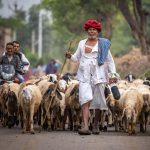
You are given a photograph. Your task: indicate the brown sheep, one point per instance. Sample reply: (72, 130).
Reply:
(73, 108)
(144, 90)
(3, 99)
(51, 100)
(116, 111)
(13, 104)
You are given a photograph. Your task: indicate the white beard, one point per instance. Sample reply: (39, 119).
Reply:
(92, 37)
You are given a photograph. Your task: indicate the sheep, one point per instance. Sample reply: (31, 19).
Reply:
(58, 113)
(3, 99)
(13, 104)
(137, 82)
(62, 85)
(44, 86)
(52, 78)
(144, 90)
(30, 100)
(116, 111)
(51, 99)
(73, 107)
(131, 103)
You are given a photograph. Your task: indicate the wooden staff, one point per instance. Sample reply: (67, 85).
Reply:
(55, 88)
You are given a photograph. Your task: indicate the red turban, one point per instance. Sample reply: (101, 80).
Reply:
(93, 24)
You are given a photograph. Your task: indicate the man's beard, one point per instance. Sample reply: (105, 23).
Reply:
(92, 37)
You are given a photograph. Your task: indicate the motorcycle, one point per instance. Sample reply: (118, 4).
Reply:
(7, 73)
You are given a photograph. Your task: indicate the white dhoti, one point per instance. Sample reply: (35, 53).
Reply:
(99, 101)
(93, 94)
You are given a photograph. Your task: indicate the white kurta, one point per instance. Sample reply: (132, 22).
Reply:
(91, 76)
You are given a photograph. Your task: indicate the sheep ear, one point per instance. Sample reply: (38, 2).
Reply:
(145, 97)
(106, 91)
(74, 90)
(59, 95)
(47, 93)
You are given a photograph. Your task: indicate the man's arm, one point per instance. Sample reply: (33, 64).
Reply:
(25, 63)
(110, 63)
(18, 68)
(76, 56)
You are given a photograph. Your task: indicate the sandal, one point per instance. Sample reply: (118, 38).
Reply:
(84, 131)
(95, 130)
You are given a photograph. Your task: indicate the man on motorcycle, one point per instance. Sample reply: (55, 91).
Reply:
(10, 59)
(24, 61)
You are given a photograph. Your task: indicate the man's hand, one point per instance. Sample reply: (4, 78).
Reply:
(68, 55)
(23, 72)
(113, 77)
(113, 80)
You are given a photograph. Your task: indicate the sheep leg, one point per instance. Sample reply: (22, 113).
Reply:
(42, 116)
(39, 115)
(110, 119)
(49, 120)
(64, 118)
(116, 123)
(130, 127)
(126, 125)
(70, 115)
(142, 120)
(146, 121)
(16, 117)
(133, 128)
(5, 119)
(31, 119)
(21, 117)
(24, 121)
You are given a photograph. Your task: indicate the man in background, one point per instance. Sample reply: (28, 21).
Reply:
(24, 61)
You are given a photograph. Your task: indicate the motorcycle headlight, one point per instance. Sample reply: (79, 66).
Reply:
(6, 76)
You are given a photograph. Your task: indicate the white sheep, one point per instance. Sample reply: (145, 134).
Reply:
(30, 98)
(131, 103)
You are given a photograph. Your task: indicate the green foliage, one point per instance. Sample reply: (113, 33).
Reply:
(34, 16)
(33, 59)
(12, 23)
(146, 7)
(147, 73)
(122, 40)
(75, 13)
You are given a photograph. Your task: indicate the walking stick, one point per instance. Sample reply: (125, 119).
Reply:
(55, 88)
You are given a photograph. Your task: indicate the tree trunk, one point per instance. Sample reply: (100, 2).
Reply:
(137, 23)
(107, 32)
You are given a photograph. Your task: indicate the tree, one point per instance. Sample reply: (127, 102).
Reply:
(75, 13)
(136, 17)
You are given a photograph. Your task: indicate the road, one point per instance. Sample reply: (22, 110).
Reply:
(13, 139)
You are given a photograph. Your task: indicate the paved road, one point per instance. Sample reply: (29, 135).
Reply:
(13, 139)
